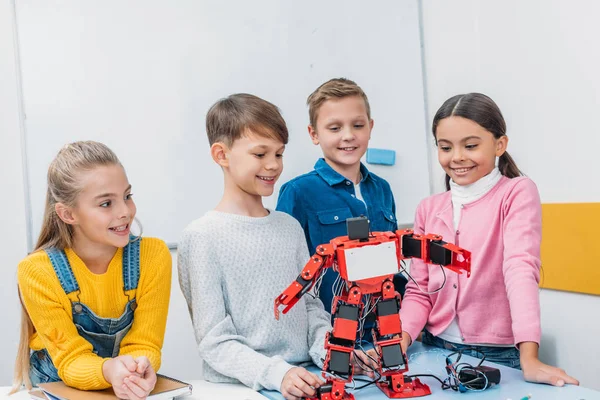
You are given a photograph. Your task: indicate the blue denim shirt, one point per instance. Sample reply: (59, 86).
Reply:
(322, 200)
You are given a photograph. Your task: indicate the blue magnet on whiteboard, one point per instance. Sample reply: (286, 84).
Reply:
(381, 156)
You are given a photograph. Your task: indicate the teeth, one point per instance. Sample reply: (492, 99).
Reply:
(119, 228)
(461, 170)
(347, 148)
(266, 178)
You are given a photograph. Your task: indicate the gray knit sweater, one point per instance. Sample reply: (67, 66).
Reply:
(231, 269)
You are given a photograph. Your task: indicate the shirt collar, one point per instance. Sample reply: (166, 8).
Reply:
(476, 190)
(332, 177)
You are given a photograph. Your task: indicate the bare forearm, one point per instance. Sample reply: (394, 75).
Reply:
(529, 351)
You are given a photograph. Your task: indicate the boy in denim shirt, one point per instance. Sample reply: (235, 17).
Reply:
(340, 122)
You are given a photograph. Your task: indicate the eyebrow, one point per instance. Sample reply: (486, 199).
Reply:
(103, 195)
(361, 118)
(463, 140)
(265, 147)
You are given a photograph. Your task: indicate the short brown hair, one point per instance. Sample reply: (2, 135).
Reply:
(229, 118)
(334, 88)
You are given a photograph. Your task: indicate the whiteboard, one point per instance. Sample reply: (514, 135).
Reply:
(140, 75)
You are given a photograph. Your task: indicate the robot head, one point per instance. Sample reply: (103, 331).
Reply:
(358, 228)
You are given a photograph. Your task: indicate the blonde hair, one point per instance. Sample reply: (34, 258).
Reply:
(63, 187)
(336, 88)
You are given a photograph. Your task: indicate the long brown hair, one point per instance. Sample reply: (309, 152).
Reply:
(63, 187)
(482, 110)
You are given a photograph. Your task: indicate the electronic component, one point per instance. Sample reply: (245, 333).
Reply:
(478, 378)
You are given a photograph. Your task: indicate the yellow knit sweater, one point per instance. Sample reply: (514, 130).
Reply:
(50, 310)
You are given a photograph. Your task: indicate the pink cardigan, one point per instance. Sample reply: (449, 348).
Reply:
(499, 303)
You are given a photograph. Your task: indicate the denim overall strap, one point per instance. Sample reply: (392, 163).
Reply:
(131, 264)
(104, 334)
(63, 270)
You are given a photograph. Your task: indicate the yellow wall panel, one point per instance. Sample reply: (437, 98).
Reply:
(571, 247)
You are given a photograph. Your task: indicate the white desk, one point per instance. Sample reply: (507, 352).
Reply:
(202, 391)
(424, 360)
(512, 386)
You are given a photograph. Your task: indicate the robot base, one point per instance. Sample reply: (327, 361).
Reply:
(411, 389)
(327, 396)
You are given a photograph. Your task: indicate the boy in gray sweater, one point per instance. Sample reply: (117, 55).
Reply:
(236, 259)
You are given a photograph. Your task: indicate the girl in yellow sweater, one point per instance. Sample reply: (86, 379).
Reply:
(94, 297)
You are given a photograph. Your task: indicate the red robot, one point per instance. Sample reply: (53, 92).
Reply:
(366, 262)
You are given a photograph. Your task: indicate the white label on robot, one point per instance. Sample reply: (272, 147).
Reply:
(371, 261)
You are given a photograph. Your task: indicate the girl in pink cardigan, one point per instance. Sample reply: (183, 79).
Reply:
(494, 212)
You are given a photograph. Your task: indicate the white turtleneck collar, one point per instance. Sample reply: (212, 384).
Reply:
(462, 195)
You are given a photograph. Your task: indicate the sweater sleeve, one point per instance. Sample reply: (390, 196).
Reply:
(50, 311)
(521, 266)
(219, 343)
(146, 336)
(416, 305)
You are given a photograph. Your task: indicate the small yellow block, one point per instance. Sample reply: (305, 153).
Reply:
(571, 247)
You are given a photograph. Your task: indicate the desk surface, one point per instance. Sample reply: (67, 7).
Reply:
(422, 360)
(202, 390)
(429, 360)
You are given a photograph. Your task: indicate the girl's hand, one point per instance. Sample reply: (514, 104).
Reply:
(536, 371)
(366, 363)
(139, 385)
(299, 383)
(116, 370)
(406, 341)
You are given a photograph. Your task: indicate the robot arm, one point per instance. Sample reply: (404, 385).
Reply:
(433, 250)
(323, 258)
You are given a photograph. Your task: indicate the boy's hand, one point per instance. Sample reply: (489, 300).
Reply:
(298, 383)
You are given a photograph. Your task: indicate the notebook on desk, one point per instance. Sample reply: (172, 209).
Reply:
(165, 389)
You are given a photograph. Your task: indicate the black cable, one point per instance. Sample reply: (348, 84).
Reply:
(429, 375)
(367, 354)
(419, 286)
(370, 368)
(454, 369)
(367, 384)
(363, 365)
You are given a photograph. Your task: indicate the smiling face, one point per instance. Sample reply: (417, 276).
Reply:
(254, 163)
(104, 209)
(343, 130)
(466, 151)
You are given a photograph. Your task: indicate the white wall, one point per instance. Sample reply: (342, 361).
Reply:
(539, 60)
(13, 238)
(180, 358)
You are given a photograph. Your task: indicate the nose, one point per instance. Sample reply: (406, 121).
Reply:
(458, 155)
(273, 163)
(348, 134)
(124, 211)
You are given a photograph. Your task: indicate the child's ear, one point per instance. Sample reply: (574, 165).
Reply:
(219, 151)
(65, 214)
(371, 124)
(501, 144)
(312, 132)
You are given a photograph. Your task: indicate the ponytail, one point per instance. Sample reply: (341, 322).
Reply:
(508, 167)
